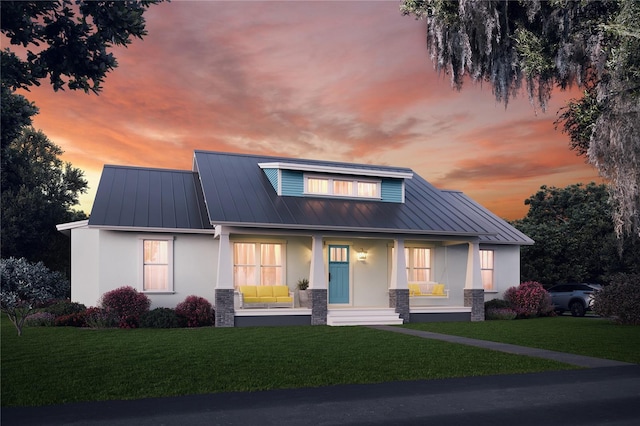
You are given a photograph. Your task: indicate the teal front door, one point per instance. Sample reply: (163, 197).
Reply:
(338, 274)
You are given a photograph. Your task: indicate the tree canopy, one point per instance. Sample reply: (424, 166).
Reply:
(574, 239)
(548, 44)
(68, 42)
(38, 192)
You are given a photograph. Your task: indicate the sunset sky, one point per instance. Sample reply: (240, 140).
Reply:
(329, 80)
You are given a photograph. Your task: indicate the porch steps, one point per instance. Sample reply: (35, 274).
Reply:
(363, 316)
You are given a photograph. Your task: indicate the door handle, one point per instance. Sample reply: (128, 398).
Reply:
(329, 276)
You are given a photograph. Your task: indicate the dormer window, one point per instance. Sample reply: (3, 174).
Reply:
(341, 186)
(314, 179)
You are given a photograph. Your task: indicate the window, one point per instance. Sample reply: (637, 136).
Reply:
(157, 265)
(418, 264)
(486, 269)
(258, 264)
(342, 187)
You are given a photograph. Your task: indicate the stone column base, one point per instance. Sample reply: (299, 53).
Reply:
(475, 299)
(319, 306)
(399, 299)
(224, 311)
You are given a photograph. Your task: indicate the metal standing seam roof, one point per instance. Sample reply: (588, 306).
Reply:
(232, 189)
(149, 198)
(507, 234)
(237, 192)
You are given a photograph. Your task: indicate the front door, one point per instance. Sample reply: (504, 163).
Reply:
(338, 274)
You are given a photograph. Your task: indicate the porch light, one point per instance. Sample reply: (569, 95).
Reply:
(362, 255)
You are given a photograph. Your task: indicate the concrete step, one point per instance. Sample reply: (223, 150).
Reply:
(363, 316)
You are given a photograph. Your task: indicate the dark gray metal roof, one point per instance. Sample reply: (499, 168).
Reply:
(507, 234)
(232, 189)
(237, 192)
(149, 198)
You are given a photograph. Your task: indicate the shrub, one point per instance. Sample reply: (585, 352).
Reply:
(127, 304)
(160, 318)
(40, 319)
(529, 299)
(620, 300)
(496, 304)
(72, 320)
(195, 311)
(100, 318)
(24, 286)
(64, 307)
(498, 309)
(500, 314)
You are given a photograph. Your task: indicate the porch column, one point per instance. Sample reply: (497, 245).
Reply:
(318, 283)
(224, 311)
(399, 286)
(473, 289)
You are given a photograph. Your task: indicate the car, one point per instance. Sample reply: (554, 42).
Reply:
(574, 297)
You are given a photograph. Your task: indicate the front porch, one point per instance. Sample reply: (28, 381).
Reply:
(352, 280)
(349, 316)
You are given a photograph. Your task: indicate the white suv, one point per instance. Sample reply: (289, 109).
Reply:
(574, 297)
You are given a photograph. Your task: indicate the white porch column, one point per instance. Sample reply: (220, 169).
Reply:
(224, 297)
(224, 277)
(317, 278)
(318, 283)
(474, 277)
(398, 267)
(473, 289)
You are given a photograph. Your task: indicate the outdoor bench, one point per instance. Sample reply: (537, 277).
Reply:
(265, 296)
(428, 290)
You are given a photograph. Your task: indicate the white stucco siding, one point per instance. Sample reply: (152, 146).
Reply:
(506, 269)
(194, 272)
(298, 260)
(85, 258)
(104, 260)
(370, 286)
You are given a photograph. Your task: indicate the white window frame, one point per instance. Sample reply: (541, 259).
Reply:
(257, 279)
(170, 261)
(354, 186)
(411, 264)
(484, 268)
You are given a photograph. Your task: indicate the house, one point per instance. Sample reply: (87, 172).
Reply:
(378, 244)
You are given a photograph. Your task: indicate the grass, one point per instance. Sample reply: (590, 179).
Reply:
(54, 365)
(594, 337)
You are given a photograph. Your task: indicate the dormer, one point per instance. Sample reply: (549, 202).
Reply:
(357, 182)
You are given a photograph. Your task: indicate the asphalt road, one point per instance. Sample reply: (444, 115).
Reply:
(598, 396)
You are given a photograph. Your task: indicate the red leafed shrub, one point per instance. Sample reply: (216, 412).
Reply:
(529, 299)
(127, 304)
(76, 319)
(195, 311)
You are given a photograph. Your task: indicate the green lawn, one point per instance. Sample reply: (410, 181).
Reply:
(584, 336)
(50, 365)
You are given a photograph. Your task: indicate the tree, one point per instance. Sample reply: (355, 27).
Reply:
(76, 36)
(38, 192)
(25, 286)
(67, 41)
(594, 44)
(574, 240)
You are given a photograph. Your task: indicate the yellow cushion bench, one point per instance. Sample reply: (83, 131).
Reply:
(265, 296)
(428, 290)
